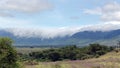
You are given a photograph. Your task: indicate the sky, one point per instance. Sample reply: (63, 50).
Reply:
(60, 16)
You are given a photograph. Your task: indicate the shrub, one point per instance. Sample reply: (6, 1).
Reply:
(8, 56)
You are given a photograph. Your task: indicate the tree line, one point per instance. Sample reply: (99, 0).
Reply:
(71, 53)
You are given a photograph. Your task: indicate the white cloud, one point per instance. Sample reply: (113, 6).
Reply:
(27, 6)
(61, 32)
(42, 33)
(108, 12)
(106, 26)
(96, 11)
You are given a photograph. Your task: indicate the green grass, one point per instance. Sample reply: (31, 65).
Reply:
(29, 50)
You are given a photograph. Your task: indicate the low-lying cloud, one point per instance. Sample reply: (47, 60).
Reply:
(61, 32)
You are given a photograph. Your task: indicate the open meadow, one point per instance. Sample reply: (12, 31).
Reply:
(29, 50)
(109, 60)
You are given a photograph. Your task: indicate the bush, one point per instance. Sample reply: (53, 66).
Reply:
(8, 56)
(97, 49)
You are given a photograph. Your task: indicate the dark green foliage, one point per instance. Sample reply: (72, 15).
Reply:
(97, 49)
(8, 56)
(54, 56)
(71, 53)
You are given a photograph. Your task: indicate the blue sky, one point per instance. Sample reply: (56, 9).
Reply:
(51, 13)
(53, 17)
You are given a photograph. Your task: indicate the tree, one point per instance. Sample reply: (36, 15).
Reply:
(8, 56)
(54, 56)
(97, 49)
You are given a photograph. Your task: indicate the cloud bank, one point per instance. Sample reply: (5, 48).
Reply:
(46, 33)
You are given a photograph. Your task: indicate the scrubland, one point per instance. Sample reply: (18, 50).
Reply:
(109, 60)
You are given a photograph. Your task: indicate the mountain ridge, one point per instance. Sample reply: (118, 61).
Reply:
(80, 38)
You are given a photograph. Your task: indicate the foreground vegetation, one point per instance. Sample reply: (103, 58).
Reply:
(65, 57)
(109, 60)
(70, 53)
(8, 56)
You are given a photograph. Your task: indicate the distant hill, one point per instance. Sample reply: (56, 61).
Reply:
(81, 38)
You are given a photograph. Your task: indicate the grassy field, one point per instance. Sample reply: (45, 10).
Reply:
(29, 50)
(110, 60)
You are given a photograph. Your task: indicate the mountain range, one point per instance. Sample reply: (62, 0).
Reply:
(80, 38)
